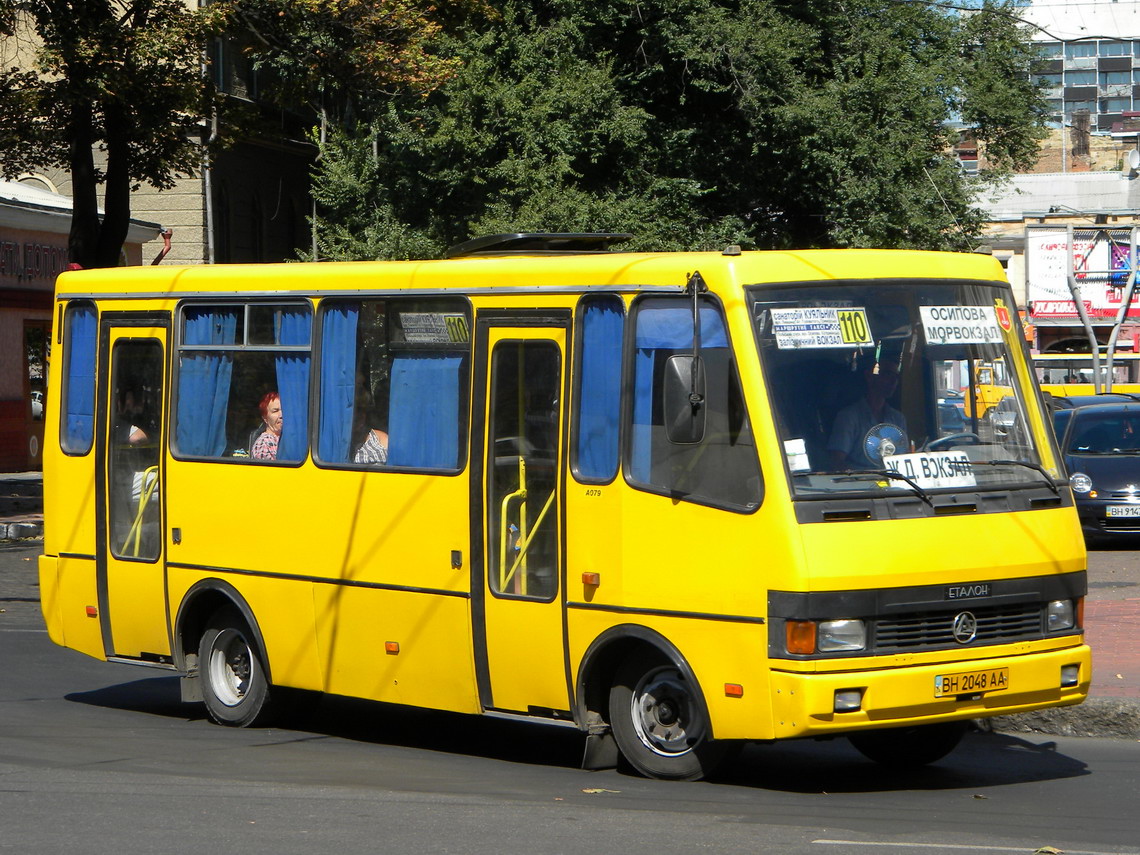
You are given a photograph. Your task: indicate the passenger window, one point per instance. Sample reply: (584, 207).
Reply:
(722, 469)
(600, 335)
(80, 337)
(243, 382)
(393, 383)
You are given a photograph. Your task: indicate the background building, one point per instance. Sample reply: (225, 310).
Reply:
(34, 224)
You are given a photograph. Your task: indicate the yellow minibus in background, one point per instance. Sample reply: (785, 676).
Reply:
(675, 500)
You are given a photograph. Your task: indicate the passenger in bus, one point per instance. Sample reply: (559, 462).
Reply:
(372, 448)
(849, 435)
(265, 446)
(130, 423)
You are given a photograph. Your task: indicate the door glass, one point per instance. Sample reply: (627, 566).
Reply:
(133, 446)
(526, 379)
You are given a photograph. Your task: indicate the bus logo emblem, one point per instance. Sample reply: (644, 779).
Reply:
(965, 627)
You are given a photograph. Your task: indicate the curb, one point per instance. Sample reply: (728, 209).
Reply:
(18, 530)
(1108, 718)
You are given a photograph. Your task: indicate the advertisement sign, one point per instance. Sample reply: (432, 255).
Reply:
(1100, 263)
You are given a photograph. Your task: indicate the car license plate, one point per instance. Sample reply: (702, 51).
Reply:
(1123, 510)
(971, 682)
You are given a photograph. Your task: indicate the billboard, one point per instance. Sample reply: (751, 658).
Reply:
(1101, 261)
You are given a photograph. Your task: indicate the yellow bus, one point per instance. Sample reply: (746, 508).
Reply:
(1072, 373)
(676, 501)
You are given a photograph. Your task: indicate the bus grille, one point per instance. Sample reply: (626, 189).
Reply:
(996, 625)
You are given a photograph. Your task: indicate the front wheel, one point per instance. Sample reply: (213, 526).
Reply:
(234, 686)
(658, 721)
(909, 747)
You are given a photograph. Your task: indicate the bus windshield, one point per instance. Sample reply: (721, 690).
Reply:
(896, 386)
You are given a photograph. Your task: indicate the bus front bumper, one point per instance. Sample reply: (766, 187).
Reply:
(816, 704)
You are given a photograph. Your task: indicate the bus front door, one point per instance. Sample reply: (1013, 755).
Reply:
(129, 506)
(521, 657)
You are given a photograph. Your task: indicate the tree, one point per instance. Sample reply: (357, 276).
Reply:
(693, 124)
(120, 78)
(123, 79)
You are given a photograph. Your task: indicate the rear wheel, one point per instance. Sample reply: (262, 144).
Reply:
(658, 721)
(234, 686)
(909, 747)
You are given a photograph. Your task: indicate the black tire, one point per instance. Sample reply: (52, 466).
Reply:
(234, 686)
(909, 747)
(658, 720)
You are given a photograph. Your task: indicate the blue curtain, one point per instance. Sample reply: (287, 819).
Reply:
(204, 383)
(82, 328)
(599, 400)
(423, 417)
(293, 327)
(662, 330)
(338, 382)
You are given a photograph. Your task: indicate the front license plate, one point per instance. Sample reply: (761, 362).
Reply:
(1123, 510)
(971, 682)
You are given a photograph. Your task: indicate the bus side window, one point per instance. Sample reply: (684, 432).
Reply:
(722, 469)
(598, 400)
(393, 383)
(230, 357)
(78, 410)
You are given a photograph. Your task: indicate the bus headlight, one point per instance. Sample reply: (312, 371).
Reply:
(1060, 615)
(1080, 482)
(835, 636)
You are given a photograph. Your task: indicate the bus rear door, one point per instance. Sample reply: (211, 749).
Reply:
(129, 508)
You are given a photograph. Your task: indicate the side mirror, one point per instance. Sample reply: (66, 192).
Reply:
(684, 399)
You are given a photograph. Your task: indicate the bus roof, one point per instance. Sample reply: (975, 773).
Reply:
(530, 272)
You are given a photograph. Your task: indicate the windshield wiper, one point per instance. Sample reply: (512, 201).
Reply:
(890, 475)
(1036, 467)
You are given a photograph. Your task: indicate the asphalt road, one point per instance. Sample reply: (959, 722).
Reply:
(105, 758)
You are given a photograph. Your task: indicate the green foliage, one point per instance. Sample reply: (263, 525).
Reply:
(695, 124)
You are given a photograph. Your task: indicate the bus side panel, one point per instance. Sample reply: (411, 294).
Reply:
(283, 611)
(70, 601)
(718, 652)
(397, 646)
(69, 495)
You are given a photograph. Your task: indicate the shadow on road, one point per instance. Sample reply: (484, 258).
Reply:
(833, 766)
(983, 760)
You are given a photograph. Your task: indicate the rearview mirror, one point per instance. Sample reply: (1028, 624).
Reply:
(684, 399)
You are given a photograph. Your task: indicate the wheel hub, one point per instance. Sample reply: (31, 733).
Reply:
(662, 712)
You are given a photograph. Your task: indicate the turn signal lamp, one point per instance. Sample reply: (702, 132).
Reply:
(799, 636)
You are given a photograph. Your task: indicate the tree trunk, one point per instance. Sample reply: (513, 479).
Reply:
(83, 240)
(117, 198)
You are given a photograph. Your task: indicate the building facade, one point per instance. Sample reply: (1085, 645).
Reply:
(34, 225)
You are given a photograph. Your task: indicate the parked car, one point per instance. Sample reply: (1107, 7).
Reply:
(1100, 444)
(37, 405)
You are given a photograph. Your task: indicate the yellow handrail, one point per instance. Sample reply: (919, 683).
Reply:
(146, 491)
(524, 544)
(504, 529)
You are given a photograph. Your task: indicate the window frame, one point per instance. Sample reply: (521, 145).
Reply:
(464, 404)
(628, 355)
(180, 347)
(72, 308)
(576, 386)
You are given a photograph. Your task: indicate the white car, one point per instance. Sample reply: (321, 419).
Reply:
(37, 405)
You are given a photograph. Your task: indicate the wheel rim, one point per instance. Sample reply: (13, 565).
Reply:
(230, 667)
(662, 709)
